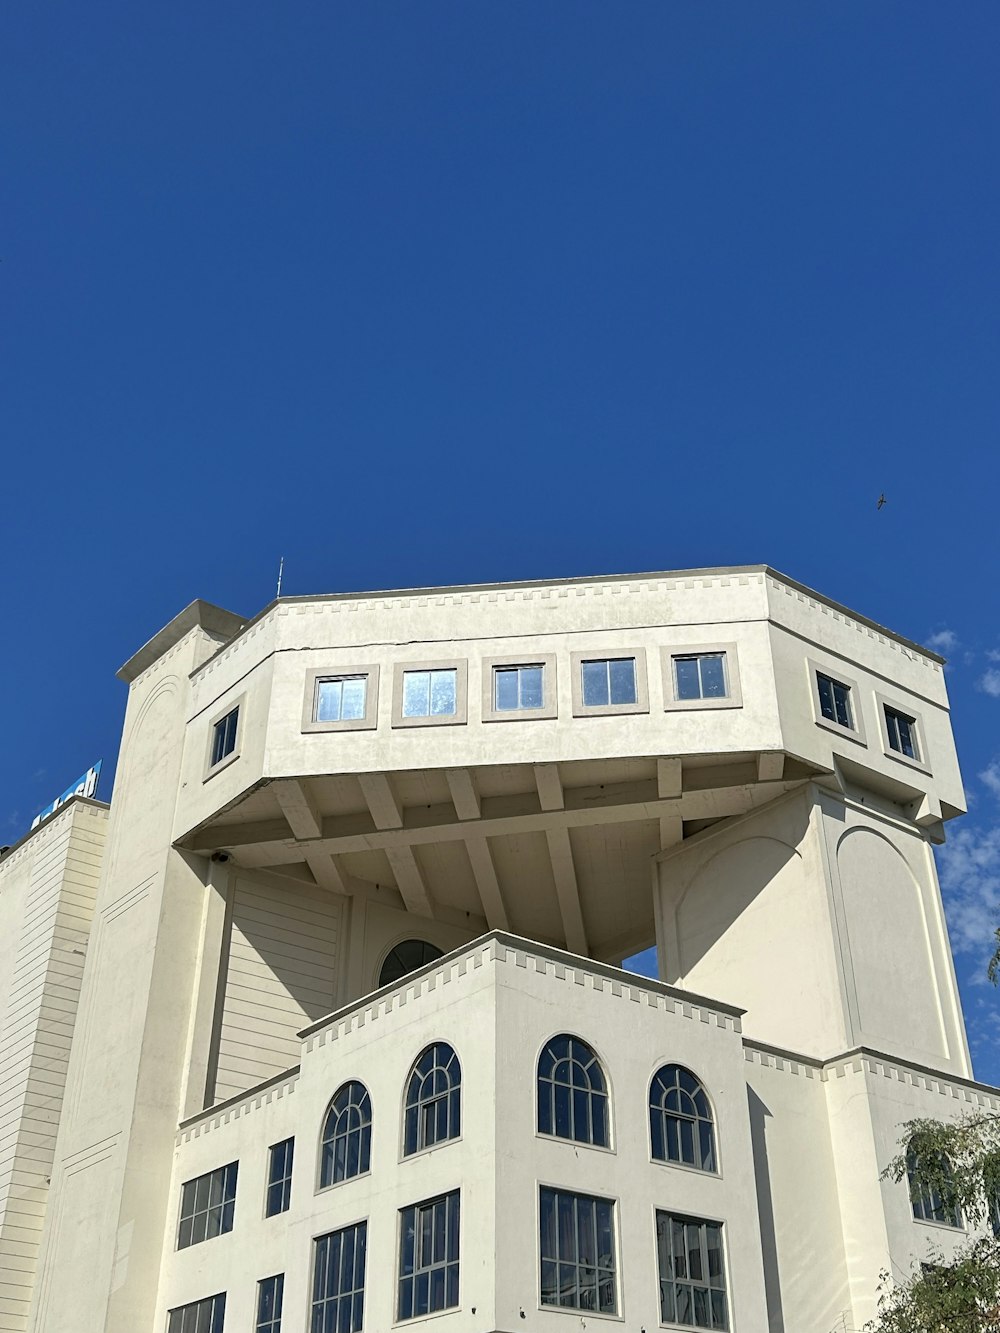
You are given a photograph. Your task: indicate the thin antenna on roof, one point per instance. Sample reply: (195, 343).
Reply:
(281, 570)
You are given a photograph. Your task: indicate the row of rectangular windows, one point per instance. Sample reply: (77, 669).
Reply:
(578, 1267)
(436, 693)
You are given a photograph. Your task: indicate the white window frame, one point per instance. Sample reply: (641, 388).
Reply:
(310, 702)
(882, 702)
(219, 716)
(602, 654)
(460, 666)
(731, 665)
(855, 733)
(550, 696)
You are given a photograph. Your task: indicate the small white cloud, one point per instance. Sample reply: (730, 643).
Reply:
(990, 777)
(993, 654)
(942, 641)
(969, 868)
(989, 682)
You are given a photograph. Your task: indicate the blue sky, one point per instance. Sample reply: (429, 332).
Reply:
(439, 293)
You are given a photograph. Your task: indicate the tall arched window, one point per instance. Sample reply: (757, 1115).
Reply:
(680, 1119)
(433, 1099)
(929, 1197)
(347, 1136)
(572, 1092)
(406, 957)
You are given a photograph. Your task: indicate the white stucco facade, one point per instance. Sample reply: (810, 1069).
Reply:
(757, 792)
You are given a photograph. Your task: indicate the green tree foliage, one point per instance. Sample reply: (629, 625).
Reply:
(950, 1166)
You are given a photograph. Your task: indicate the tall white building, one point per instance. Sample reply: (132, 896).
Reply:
(322, 1027)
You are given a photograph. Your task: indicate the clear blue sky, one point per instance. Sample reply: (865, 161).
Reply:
(421, 293)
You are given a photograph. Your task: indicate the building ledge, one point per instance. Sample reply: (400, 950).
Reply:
(214, 620)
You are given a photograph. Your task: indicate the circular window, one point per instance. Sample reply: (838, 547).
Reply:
(407, 957)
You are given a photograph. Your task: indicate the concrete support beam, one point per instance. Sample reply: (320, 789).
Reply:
(550, 788)
(382, 801)
(462, 786)
(326, 872)
(567, 890)
(770, 765)
(299, 808)
(669, 782)
(410, 880)
(490, 894)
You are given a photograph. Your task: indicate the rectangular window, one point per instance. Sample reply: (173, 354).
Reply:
(224, 737)
(609, 681)
(902, 733)
(577, 1252)
(835, 700)
(207, 1316)
(270, 1293)
(279, 1178)
(700, 676)
(207, 1205)
(692, 1272)
(341, 698)
(338, 1297)
(517, 687)
(428, 1257)
(430, 693)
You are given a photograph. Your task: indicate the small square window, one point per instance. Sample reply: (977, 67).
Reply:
(606, 683)
(902, 733)
(279, 1178)
(207, 1206)
(519, 688)
(835, 700)
(224, 737)
(701, 676)
(341, 698)
(705, 676)
(429, 694)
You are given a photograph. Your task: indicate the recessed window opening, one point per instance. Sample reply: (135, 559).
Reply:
(680, 1119)
(577, 1252)
(433, 1099)
(428, 1257)
(701, 676)
(608, 681)
(902, 733)
(430, 693)
(835, 700)
(930, 1202)
(270, 1295)
(406, 957)
(224, 736)
(341, 698)
(517, 687)
(347, 1136)
(279, 1178)
(207, 1206)
(572, 1093)
(205, 1316)
(338, 1292)
(692, 1272)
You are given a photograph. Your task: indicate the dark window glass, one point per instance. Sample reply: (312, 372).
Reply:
(347, 1136)
(428, 1257)
(279, 1178)
(834, 700)
(270, 1293)
(701, 676)
(572, 1093)
(433, 1099)
(207, 1205)
(407, 957)
(338, 1294)
(995, 1213)
(929, 1205)
(577, 1252)
(517, 687)
(608, 681)
(692, 1272)
(680, 1119)
(207, 1316)
(902, 733)
(224, 737)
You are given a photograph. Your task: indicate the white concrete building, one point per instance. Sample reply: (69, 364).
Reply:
(330, 1033)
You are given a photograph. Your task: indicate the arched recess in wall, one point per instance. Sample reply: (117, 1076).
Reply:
(144, 749)
(894, 978)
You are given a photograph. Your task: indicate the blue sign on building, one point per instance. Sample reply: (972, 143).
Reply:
(85, 786)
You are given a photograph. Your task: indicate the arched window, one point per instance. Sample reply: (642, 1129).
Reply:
(347, 1136)
(680, 1119)
(407, 956)
(930, 1197)
(572, 1092)
(433, 1099)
